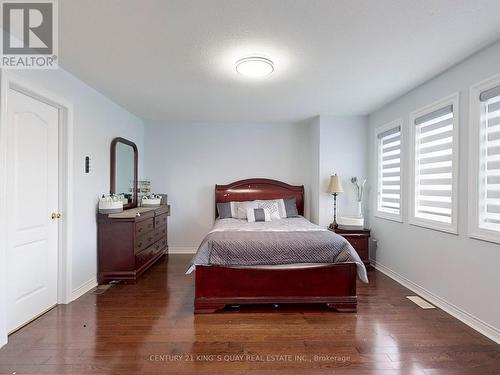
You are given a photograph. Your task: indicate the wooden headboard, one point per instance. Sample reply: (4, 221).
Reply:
(258, 188)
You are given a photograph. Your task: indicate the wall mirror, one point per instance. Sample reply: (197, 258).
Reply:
(124, 161)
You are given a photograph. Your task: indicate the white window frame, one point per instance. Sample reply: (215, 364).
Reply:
(383, 214)
(475, 111)
(426, 223)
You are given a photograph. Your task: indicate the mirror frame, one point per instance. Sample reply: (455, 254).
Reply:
(112, 189)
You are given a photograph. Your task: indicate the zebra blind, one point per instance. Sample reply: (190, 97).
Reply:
(389, 171)
(489, 171)
(434, 165)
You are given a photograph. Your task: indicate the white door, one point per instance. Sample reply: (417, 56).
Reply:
(32, 197)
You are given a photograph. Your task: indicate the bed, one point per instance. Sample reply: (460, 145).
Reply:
(278, 262)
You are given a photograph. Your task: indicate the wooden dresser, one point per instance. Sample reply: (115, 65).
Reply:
(130, 242)
(359, 239)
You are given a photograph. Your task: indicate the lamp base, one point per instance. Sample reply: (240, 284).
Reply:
(333, 225)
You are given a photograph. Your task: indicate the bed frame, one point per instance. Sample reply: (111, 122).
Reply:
(218, 286)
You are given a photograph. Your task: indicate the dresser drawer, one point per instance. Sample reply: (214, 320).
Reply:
(145, 255)
(144, 226)
(160, 232)
(161, 220)
(163, 209)
(160, 245)
(142, 257)
(360, 244)
(357, 242)
(144, 241)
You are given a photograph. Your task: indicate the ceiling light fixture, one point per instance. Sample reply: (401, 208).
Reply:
(255, 66)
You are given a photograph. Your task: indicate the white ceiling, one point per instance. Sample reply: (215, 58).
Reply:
(174, 60)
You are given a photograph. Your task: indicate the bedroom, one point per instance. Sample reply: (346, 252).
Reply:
(340, 81)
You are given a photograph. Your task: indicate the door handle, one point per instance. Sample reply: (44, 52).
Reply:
(55, 215)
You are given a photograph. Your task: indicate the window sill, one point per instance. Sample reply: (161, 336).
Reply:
(485, 235)
(386, 216)
(445, 228)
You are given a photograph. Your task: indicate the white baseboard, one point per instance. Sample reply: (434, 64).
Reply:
(455, 311)
(181, 250)
(84, 288)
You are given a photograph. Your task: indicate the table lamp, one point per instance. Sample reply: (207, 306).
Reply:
(335, 187)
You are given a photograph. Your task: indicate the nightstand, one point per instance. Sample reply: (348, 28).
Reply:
(359, 239)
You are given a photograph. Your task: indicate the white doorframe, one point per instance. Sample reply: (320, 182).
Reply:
(8, 81)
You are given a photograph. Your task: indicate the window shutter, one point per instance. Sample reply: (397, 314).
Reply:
(433, 165)
(389, 171)
(489, 175)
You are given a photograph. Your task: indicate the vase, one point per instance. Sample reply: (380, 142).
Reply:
(360, 210)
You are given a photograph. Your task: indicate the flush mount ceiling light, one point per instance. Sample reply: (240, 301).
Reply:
(254, 66)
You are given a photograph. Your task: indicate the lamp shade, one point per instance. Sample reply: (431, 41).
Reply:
(335, 185)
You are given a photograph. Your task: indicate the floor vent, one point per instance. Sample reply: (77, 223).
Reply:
(101, 289)
(421, 302)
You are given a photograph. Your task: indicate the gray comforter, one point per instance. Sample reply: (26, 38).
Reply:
(293, 241)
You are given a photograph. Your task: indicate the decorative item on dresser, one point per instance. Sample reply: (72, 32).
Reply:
(130, 242)
(359, 239)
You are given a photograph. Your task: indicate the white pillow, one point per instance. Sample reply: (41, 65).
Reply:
(281, 206)
(269, 204)
(272, 206)
(276, 208)
(258, 214)
(239, 209)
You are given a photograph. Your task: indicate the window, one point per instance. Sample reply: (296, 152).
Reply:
(388, 149)
(485, 161)
(434, 140)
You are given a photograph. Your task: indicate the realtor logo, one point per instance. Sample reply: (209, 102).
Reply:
(29, 34)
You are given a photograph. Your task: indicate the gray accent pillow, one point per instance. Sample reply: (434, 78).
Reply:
(224, 210)
(291, 207)
(259, 214)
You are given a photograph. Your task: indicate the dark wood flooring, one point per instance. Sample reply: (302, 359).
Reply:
(150, 328)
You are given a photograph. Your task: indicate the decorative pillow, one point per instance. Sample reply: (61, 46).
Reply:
(258, 214)
(278, 208)
(272, 206)
(224, 210)
(239, 210)
(281, 206)
(291, 207)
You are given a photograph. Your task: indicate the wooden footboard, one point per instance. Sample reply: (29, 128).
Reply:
(332, 284)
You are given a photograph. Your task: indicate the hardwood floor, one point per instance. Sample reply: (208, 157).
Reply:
(150, 328)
